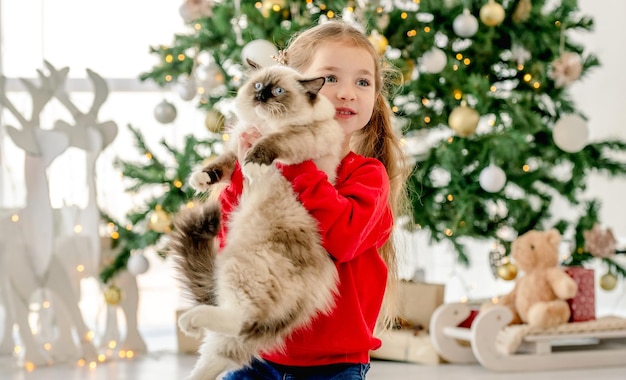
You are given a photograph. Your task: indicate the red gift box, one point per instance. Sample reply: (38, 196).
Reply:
(583, 305)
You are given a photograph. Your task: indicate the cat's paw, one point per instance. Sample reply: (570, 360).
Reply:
(262, 154)
(202, 180)
(253, 171)
(193, 321)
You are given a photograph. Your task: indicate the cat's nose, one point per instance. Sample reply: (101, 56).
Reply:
(261, 96)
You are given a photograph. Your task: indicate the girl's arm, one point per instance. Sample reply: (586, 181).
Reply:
(229, 199)
(354, 215)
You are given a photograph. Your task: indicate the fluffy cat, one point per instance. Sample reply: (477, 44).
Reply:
(273, 275)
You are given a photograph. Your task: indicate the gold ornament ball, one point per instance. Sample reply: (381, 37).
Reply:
(463, 120)
(113, 295)
(214, 121)
(608, 281)
(160, 221)
(492, 13)
(507, 271)
(379, 41)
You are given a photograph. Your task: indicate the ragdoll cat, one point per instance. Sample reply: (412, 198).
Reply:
(273, 275)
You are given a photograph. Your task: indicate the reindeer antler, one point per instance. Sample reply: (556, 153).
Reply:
(25, 137)
(83, 120)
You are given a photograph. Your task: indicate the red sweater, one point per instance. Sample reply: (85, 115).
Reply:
(354, 221)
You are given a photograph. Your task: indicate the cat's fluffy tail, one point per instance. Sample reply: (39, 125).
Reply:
(192, 244)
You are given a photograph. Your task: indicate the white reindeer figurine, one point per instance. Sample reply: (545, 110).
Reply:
(90, 135)
(29, 264)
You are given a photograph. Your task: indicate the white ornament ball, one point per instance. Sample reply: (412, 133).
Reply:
(465, 25)
(433, 61)
(260, 52)
(186, 87)
(570, 133)
(209, 75)
(165, 112)
(137, 264)
(492, 178)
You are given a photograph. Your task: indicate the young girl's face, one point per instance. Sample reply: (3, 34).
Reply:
(350, 84)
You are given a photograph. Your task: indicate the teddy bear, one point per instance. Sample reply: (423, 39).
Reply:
(539, 297)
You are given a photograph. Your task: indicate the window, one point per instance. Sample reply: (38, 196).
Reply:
(112, 38)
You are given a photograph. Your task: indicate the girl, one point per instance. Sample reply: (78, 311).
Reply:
(355, 215)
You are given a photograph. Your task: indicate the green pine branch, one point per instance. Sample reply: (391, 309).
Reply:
(134, 233)
(516, 93)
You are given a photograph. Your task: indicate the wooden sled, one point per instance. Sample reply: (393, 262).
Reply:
(589, 344)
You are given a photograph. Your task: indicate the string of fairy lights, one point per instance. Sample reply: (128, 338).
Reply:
(198, 75)
(203, 79)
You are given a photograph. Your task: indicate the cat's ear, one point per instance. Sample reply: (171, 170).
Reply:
(253, 65)
(313, 86)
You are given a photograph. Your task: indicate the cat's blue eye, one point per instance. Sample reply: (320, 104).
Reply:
(331, 79)
(363, 82)
(258, 86)
(277, 91)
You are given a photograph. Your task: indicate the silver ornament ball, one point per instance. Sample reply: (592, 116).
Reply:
(570, 133)
(137, 264)
(492, 178)
(186, 88)
(260, 52)
(433, 61)
(465, 25)
(165, 112)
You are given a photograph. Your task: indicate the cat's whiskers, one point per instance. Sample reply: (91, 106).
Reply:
(277, 109)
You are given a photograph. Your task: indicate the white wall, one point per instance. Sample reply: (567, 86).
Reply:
(601, 97)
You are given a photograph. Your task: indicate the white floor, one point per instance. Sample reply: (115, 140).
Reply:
(169, 365)
(164, 363)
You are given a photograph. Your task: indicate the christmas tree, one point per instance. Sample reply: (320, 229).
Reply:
(482, 103)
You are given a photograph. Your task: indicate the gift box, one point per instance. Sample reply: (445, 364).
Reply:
(186, 344)
(417, 301)
(583, 305)
(406, 346)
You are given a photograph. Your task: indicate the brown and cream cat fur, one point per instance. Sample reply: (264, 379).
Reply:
(273, 275)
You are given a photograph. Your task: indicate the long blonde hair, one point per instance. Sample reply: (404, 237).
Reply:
(377, 139)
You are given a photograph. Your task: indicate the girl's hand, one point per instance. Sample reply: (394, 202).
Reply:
(246, 140)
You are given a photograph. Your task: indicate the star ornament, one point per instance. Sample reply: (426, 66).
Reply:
(599, 242)
(566, 69)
